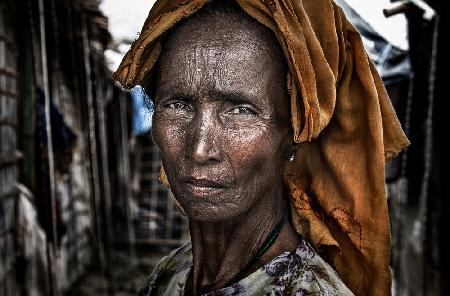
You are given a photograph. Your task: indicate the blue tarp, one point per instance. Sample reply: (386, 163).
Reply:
(142, 111)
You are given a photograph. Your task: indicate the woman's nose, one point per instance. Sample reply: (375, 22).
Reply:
(204, 134)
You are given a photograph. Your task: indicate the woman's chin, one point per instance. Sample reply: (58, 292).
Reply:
(205, 211)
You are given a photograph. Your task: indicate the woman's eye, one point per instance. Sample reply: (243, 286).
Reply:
(177, 106)
(242, 110)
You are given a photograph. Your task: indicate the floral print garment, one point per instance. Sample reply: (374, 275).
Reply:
(301, 272)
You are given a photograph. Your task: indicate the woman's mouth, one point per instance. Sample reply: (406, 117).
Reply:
(203, 186)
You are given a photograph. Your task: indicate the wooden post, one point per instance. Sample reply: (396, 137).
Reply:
(93, 145)
(51, 164)
(127, 175)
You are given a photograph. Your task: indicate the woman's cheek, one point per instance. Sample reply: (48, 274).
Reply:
(168, 135)
(249, 138)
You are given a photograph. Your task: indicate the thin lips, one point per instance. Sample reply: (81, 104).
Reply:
(207, 183)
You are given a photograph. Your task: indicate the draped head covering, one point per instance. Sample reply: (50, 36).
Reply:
(342, 114)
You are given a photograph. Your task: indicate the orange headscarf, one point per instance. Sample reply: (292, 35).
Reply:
(342, 113)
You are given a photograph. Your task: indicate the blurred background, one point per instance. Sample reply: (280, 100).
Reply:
(82, 211)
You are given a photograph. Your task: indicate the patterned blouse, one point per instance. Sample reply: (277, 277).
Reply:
(300, 272)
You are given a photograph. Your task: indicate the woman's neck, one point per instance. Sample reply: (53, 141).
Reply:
(222, 249)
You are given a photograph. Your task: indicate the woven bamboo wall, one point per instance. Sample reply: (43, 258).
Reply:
(9, 156)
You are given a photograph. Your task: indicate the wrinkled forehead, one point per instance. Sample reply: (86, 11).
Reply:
(226, 44)
(223, 26)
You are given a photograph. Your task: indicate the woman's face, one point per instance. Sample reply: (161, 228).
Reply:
(222, 119)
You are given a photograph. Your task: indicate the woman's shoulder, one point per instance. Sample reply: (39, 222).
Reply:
(308, 272)
(300, 272)
(170, 273)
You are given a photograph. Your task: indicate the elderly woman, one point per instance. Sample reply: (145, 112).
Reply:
(273, 128)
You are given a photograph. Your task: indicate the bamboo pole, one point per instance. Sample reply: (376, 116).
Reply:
(51, 164)
(93, 146)
(127, 176)
(100, 99)
(105, 165)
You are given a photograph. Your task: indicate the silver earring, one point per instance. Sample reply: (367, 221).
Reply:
(291, 157)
